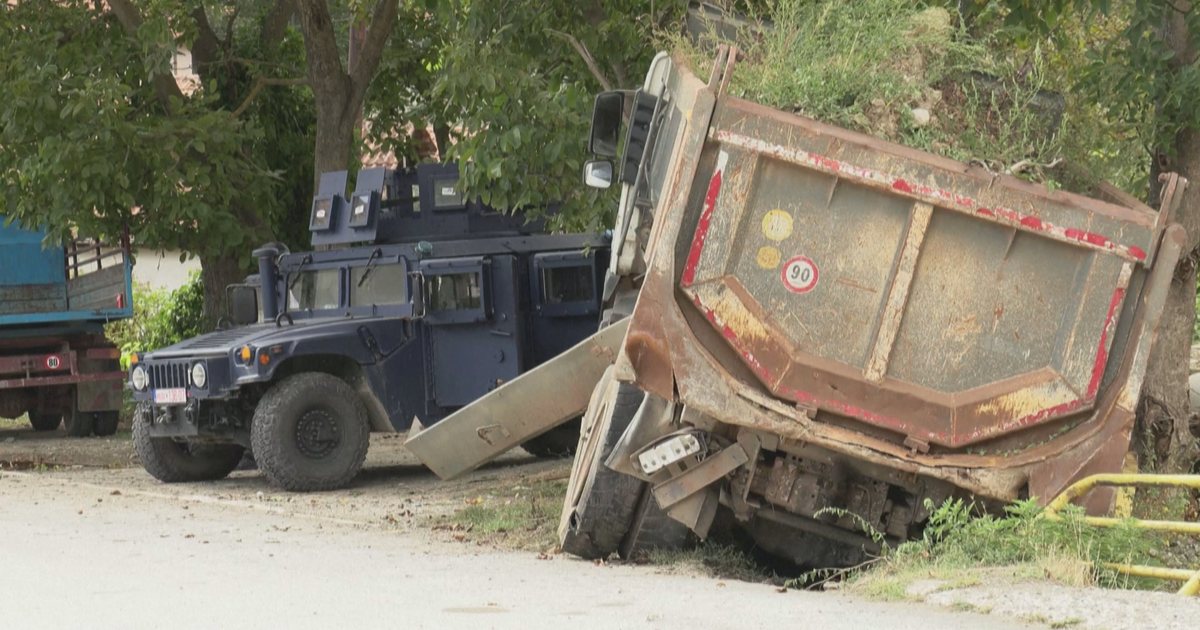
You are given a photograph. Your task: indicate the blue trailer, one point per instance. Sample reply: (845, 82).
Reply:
(55, 363)
(414, 302)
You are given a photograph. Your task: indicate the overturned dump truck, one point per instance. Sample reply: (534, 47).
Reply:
(832, 332)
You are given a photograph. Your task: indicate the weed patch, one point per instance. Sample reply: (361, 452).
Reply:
(526, 517)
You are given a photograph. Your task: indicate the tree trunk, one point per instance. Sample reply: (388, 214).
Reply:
(218, 272)
(335, 137)
(1165, 418)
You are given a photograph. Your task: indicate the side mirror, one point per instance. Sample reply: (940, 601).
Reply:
(598, 173)
(607, 115)
(243, 303)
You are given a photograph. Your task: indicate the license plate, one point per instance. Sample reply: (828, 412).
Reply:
(172, 396)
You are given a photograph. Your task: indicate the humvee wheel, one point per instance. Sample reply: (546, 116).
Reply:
(557, 442)
(310, 432)
(105, 422)
(42, 421)
(174, 461)
(600, 503)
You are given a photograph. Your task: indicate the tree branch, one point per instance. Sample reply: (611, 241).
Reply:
(586, 55)
(229, 27)
(206, 47)
(259, 84)
(275, 23)
(130, 18)
(324, 63)
(383, 22)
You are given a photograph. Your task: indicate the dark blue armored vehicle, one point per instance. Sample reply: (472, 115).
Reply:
(415, 302)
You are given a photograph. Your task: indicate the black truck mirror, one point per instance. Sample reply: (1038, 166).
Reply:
(243, 303)
(606, 124)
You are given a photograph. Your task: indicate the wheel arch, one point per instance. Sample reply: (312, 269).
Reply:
(349, 371)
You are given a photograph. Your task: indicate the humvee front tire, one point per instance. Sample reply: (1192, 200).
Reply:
(174, 461)
(310, 432)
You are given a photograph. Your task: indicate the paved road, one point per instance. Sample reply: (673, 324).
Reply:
(77, 555)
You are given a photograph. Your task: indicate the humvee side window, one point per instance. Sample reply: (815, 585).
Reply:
(567, 284)
(318, 289)
(454, 291)
(385, 284)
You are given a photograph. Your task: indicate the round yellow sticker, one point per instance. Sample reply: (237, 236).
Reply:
(777, 225)
(768, 257)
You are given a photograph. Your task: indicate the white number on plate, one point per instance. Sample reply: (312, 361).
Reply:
(172, 396)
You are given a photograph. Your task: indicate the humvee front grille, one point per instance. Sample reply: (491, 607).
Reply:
(168, 375)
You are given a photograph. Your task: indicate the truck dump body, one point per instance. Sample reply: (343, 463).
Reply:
(896, 309)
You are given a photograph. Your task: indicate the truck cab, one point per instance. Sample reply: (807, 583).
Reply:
(414, 301)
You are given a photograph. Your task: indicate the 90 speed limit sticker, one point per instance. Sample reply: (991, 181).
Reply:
(800, 274)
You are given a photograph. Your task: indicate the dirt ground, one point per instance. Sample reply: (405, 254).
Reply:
(91, 495)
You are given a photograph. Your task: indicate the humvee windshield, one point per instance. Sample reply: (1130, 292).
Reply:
(317, 289)
(384, 284)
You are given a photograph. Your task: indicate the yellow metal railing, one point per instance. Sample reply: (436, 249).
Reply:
(1189, 577)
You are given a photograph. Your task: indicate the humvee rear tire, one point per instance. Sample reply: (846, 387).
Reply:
(174, 461)
(601, 502)
(557, 442)
(105, 422)
(310, 432)
(44, 421)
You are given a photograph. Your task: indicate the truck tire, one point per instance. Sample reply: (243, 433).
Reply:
(652, 529)
(78, 423)
(44, 421)
(310, 432)
(557, 442)
(595, 523)
(172, 461)
(105, 422)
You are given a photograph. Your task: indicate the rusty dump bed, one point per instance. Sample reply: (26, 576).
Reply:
(834, 289)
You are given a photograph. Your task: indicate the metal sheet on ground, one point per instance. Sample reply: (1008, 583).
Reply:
(525, 407)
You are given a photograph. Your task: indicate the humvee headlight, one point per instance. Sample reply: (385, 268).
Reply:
(139, 378)
(199, 375)
(245, 354)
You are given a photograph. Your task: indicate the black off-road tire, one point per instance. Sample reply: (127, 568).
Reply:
(79, 423)
(42, 421)
(557, 442)
(600, 520)
(174, 461)
(310, 432)
(652, 530)
(105, 422)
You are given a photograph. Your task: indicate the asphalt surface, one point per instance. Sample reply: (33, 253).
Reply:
(79, 554)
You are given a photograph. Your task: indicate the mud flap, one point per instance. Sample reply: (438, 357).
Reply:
(523, 408)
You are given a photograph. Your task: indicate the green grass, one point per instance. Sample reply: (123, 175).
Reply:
(961, 548)
(525, 517)
(14, 423)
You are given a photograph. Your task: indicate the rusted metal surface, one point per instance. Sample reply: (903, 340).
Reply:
(700, 476)
(895, 307)
(523, 408)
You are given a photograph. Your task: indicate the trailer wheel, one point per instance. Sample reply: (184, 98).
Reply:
(310, 432)
(42, 421)
(105, 422)
(557, 442)
(174, 461)
(601, 502)
(78, 423)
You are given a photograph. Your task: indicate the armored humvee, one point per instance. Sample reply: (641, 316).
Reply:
(415, 301)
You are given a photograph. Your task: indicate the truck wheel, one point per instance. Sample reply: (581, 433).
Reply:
(600, 502)
(78, 423)
(44, 421)
(310, 432)
(652, 530)
(105, 422)
(557, 442)
(174, 461)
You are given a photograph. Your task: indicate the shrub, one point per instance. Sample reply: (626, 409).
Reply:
(160, 318)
